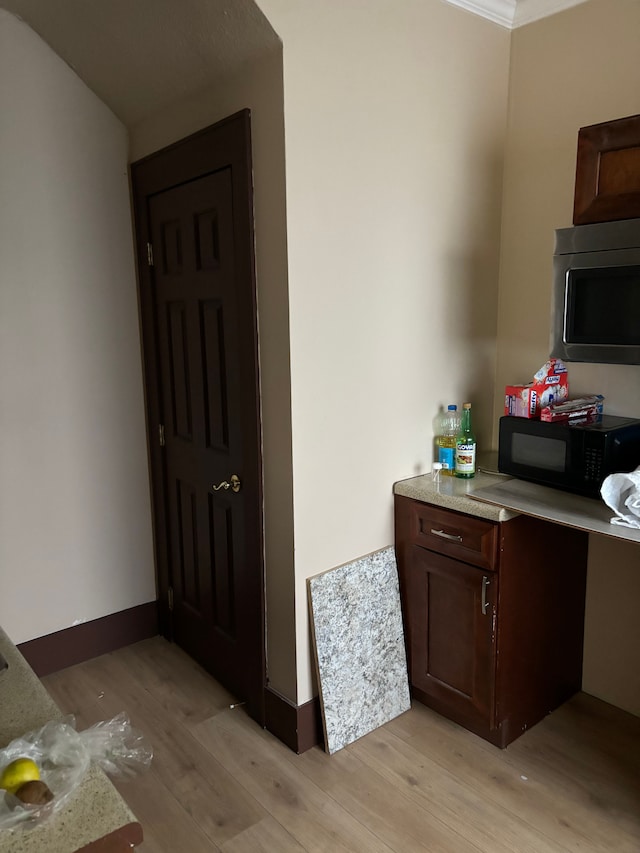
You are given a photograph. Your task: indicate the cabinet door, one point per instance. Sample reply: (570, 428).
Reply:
(451, 609)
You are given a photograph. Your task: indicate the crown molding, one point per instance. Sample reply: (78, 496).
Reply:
(514, 13)
(533, 10)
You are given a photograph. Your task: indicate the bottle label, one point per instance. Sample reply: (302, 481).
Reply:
(447, 456)
(466, 458)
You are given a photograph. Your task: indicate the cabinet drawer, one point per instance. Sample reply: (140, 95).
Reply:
(462, 537)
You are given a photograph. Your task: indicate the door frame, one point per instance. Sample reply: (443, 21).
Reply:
(194, 156)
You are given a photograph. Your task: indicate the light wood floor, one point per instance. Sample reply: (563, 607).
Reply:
(420, 783)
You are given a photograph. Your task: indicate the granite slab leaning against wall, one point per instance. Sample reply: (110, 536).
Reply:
(359, 647)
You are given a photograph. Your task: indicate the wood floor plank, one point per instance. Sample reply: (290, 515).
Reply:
(555, 798)
(594, 778)
(462, 808)
(166, 824)
(315, 820)
(266, 836)
(71, 693)
(218, 782)
(594, 736)
(399, 820)
(214, 799)
(175, 681)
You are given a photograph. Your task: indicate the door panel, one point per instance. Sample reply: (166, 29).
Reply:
(199, 324)
(180, 391)
(215, 385)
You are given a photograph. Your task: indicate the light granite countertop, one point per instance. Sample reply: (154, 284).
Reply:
(497, 497)
(93, 811)
(454, 493)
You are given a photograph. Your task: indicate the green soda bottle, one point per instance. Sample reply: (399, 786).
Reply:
(466, 446)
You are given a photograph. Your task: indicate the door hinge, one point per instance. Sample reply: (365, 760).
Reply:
(161, 434)
(170, 597)
(149, 254)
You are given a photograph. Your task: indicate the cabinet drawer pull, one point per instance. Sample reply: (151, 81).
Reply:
(485, 584)
(444, 535)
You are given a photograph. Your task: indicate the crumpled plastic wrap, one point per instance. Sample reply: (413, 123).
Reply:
(64, 755)
(621, 493)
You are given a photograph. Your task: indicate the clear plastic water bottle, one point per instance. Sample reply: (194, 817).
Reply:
(446, 441)
(438, 431)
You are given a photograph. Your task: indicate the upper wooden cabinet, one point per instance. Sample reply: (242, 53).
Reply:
(493, 613)
(608, 172)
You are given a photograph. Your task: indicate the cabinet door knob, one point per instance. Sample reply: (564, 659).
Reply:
(444, 535)
(485, 584)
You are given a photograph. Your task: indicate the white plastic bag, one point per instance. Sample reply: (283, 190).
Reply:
(621, 493)
(118, 748)
(63, 756)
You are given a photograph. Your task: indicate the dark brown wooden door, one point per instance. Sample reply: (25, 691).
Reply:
(201, 371)
(452, 640)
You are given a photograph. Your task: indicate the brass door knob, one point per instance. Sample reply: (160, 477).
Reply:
(233, 484)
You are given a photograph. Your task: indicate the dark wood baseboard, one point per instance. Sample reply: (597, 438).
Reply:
(297, 726)
(81, 642)
(125, 838)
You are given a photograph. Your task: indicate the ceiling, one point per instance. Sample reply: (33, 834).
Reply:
(140, 56)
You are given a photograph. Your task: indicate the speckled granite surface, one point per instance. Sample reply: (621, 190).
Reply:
(453, 493)
(359, 646)
(499, 498)
(95, 810)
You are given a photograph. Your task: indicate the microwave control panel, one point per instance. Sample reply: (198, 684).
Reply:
(593, 464)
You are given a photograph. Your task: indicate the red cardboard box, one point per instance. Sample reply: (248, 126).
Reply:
(550, 385)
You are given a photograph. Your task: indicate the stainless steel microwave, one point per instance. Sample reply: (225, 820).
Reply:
(573, 457)
(595, 314)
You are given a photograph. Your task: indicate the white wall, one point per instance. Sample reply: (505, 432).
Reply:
(258, 87)
(75, 522)
(577, 68)
(395, 119)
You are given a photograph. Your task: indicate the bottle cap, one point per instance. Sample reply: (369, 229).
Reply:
(452, 408)
(467, 406)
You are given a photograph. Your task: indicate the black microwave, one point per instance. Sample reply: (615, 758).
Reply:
(573, 457)
(595, 314)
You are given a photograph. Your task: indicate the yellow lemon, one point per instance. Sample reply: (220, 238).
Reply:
(17, 773)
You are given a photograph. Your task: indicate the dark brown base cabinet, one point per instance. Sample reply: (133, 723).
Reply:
(493, 615)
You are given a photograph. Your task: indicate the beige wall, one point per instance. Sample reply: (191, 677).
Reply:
(258, 87)
(75, 523)
(394, 127)
(574, 69)
(393, 193)
(387, 306)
